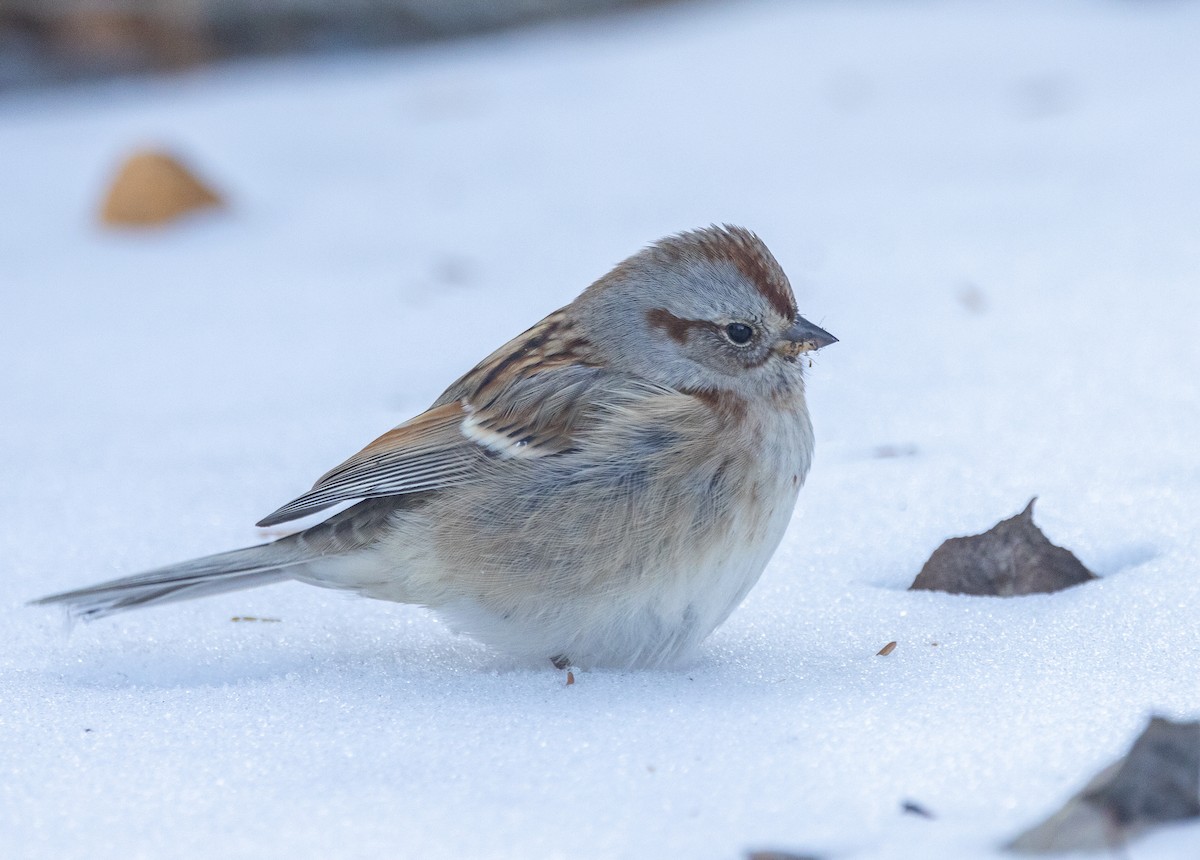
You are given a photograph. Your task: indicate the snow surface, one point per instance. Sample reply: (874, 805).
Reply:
(994, 206)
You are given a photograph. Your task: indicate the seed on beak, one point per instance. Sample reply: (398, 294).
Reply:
(803, 337)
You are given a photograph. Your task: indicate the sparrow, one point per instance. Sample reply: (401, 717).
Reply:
(601, 491)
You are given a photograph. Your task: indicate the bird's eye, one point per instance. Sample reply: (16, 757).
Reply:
(739, 333)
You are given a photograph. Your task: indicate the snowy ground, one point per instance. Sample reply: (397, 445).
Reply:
(993, 206)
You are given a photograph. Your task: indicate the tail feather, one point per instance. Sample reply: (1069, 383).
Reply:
(345, 533)
(214, 574)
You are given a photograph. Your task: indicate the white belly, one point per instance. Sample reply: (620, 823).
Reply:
(660, 616)
(584, 565)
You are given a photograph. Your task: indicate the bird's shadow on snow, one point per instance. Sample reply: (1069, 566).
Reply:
(387, 659)
(193, 647)
(185, 665)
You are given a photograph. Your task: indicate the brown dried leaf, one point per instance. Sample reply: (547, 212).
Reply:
(886, 649)
(153, 188)
(1011, 558)
(1157, 782)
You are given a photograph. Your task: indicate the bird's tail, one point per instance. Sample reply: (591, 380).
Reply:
(311, 555)
(213, 574)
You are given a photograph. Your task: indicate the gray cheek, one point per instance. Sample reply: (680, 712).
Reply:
(711, 351)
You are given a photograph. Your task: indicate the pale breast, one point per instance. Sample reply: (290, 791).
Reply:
(629, 553)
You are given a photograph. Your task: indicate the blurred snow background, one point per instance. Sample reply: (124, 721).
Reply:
(994, 206)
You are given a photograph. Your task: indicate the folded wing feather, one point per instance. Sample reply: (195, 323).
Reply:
(428, 452)
(541, 413)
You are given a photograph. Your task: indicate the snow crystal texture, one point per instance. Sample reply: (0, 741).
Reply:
(993, 206)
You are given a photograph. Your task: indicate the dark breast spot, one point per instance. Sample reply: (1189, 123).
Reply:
(716, 484)
(654, 441)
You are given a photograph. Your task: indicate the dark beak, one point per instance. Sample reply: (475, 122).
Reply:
(803, 336)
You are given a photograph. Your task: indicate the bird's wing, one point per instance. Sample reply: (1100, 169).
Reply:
(534, 397)
(427, 452)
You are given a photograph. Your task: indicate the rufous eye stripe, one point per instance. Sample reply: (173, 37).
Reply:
(677, 328)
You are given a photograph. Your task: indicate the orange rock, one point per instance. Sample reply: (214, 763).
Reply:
(154, 188)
